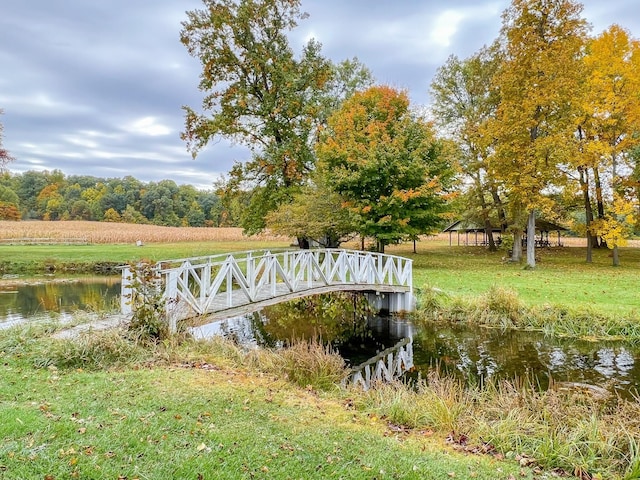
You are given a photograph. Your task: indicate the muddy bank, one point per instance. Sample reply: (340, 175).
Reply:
(8, 267)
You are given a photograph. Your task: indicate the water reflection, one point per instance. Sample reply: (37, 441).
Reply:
(474, 354)
(478, 354)
(24, 299)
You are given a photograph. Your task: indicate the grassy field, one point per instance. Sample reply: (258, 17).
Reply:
(108, 407)
(115, 242)
(561, 276)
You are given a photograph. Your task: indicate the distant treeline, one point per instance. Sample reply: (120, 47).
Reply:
(51, 195)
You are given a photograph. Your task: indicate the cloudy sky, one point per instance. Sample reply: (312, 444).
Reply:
(96, 87)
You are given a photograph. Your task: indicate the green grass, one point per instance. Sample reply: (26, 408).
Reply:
(24, 254)
(561, 276)
(172, 419)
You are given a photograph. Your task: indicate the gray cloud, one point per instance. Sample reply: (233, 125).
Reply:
(96, 88)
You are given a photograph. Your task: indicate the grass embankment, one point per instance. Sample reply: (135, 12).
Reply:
(563, 295)
(107, 407)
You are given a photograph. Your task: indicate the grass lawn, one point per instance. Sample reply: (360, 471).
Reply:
(180, 422)
(561, 276)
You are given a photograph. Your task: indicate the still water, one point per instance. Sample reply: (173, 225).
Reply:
(24, 299)
(474, 354)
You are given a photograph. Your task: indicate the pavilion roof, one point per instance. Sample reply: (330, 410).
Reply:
(471, 226)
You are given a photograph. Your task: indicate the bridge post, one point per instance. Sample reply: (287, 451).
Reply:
(126, 291)
(171, 301)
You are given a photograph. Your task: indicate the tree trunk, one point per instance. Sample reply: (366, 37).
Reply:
(488, 230)
(303, 243)
(516, 252)
(531, 240)
(502, 216)
(588, 211)
(599, 202)
(616, 257)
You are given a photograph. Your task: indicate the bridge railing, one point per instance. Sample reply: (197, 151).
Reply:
(198, 286)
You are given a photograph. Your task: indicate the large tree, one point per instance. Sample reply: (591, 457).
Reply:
(258, 93)
(534, 127)
(386, 163)
(610, 127)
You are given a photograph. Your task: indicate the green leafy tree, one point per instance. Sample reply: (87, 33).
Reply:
(386, 164)
(9, 204)
(259, 94)
(317, 214)
(464, 101)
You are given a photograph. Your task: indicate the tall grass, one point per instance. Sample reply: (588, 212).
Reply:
(556, 429)
(308, 364)
(502, 307)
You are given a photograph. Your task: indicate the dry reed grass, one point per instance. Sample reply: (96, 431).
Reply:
(113, 233)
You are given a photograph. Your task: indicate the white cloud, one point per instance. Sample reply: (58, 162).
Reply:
(148, 126)
(445, 27)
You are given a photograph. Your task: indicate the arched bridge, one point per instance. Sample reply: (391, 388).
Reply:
(227, 285)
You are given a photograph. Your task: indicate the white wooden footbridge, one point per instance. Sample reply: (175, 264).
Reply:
(223, 286)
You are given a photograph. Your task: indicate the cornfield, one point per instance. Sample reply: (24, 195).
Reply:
(113, 233)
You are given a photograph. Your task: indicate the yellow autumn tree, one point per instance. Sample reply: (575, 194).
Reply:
(533, 130)
(608, 132)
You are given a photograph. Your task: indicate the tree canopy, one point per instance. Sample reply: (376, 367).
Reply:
(259, 93)
(386, 163)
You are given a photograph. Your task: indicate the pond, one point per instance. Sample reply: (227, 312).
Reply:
(29, 298)
(471, 353)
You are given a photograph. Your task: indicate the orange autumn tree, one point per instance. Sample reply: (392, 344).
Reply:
(387, 165)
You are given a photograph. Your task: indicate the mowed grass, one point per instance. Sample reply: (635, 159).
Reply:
(561, 276)
(198, 420)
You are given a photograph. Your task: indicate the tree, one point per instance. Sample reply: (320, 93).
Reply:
(609, 130)
(5, 157)
(617, 225)
(464, 101)
(112, 216)
(259, 94)
(315, 213)
(386, 164)
(9, 203)
(534, 126)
